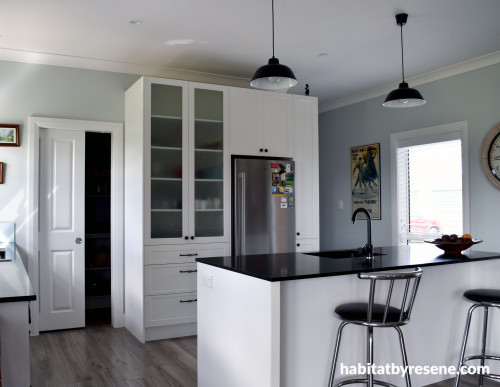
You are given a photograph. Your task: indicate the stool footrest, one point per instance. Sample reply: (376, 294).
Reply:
(357, 381)
(485, 357)
(480, 357)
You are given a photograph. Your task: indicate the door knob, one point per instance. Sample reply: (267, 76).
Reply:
(78, 241)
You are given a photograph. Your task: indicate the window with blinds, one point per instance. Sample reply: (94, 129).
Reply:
(429, 190)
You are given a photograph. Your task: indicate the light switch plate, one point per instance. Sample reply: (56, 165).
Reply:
(208, 281)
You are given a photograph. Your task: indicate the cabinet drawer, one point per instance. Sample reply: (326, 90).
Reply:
(176, 278)
(170, 309)
(155, 255)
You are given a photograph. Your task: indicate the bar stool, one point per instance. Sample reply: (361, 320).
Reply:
(484, 298)
(374, 315)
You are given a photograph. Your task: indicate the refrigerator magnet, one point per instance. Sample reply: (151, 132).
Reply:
(277, 191)
(283, 200)
(290, 201)
(274, 165)
(276, 179)
(288, 189)
(283, 205)
(288, 168)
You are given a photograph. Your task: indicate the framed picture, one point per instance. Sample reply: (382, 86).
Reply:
(365, 179)
(9, 135)
(1, 173)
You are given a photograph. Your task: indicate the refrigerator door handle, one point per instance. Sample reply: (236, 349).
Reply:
(241, 213)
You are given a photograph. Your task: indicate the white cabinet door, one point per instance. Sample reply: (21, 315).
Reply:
(305, 124)
(166, 193)
(307, 245)
(246, 134)
(261, 123)
(276, 123)
(209, 164)
(62, 229)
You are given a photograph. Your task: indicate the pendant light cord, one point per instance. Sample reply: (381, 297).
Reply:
(272, 12)
(402, 54)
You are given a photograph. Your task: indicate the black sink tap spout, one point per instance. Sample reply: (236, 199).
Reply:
(368, 247)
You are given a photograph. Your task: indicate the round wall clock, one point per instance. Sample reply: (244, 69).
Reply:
(490, 156)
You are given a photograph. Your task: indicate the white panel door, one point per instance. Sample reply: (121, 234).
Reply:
(62, 229)
(275, 113)
(305, 116)
(245, 135)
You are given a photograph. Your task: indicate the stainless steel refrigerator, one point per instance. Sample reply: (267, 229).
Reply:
(263, 205)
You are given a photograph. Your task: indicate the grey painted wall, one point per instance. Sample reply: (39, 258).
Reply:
(473, 96)
(49, 91)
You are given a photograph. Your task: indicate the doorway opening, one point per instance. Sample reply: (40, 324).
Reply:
(97, 228)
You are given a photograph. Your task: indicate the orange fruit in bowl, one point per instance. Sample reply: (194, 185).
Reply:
(467, 236)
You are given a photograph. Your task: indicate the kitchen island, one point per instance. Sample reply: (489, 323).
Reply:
(267, 320)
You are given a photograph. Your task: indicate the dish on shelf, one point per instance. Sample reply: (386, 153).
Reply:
(453, 248)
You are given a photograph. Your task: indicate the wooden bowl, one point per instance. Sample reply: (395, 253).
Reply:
(453, 248)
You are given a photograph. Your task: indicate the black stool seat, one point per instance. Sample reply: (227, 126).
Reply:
(358, 311)
(491, 296)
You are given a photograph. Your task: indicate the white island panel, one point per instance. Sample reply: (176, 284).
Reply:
(238, 329)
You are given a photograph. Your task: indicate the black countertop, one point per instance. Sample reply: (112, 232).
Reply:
(15, 285)
(293, 266)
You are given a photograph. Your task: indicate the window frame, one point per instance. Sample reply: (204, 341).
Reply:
(433, 134)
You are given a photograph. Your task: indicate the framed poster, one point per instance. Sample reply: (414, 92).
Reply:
(9, 135)
(365, 179)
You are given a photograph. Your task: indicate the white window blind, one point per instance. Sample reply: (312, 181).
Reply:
(429, 189)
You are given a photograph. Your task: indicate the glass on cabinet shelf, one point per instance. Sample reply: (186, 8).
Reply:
(166, 117)
(209, 223)
(165, 210)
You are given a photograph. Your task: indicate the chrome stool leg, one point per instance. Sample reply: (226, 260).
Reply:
(403, 354)
(464, 342)
(336, 353)
(369, 356)
(483, 344)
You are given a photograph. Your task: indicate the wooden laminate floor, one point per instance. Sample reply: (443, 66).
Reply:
(100, 355)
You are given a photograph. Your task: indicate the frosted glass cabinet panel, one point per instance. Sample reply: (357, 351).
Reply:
(208, 163)
(189, 163)
(166, 161)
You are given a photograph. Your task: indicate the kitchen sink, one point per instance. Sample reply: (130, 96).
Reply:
(342, 254)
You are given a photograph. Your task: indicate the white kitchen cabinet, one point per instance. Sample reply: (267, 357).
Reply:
(307, 245)
(305, 127)
(177, 198)
(261, 123)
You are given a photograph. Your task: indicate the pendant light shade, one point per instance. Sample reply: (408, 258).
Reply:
(273, 75)
(403, 96)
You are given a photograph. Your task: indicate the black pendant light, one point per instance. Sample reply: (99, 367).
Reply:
(403, 96)
(273, 75)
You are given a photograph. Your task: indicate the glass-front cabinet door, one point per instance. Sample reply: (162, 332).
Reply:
(209, 161)
(189, 163)
(168, 162)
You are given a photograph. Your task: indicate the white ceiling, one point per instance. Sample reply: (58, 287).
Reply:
(231, 39)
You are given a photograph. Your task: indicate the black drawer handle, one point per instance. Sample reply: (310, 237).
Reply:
(188, 255)
(188, 271)
(184, 301)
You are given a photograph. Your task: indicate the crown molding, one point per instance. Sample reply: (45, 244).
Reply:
(431, 76)
(119, 67)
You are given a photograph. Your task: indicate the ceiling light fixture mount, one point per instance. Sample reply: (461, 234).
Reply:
(403, 96)
(273, 76)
